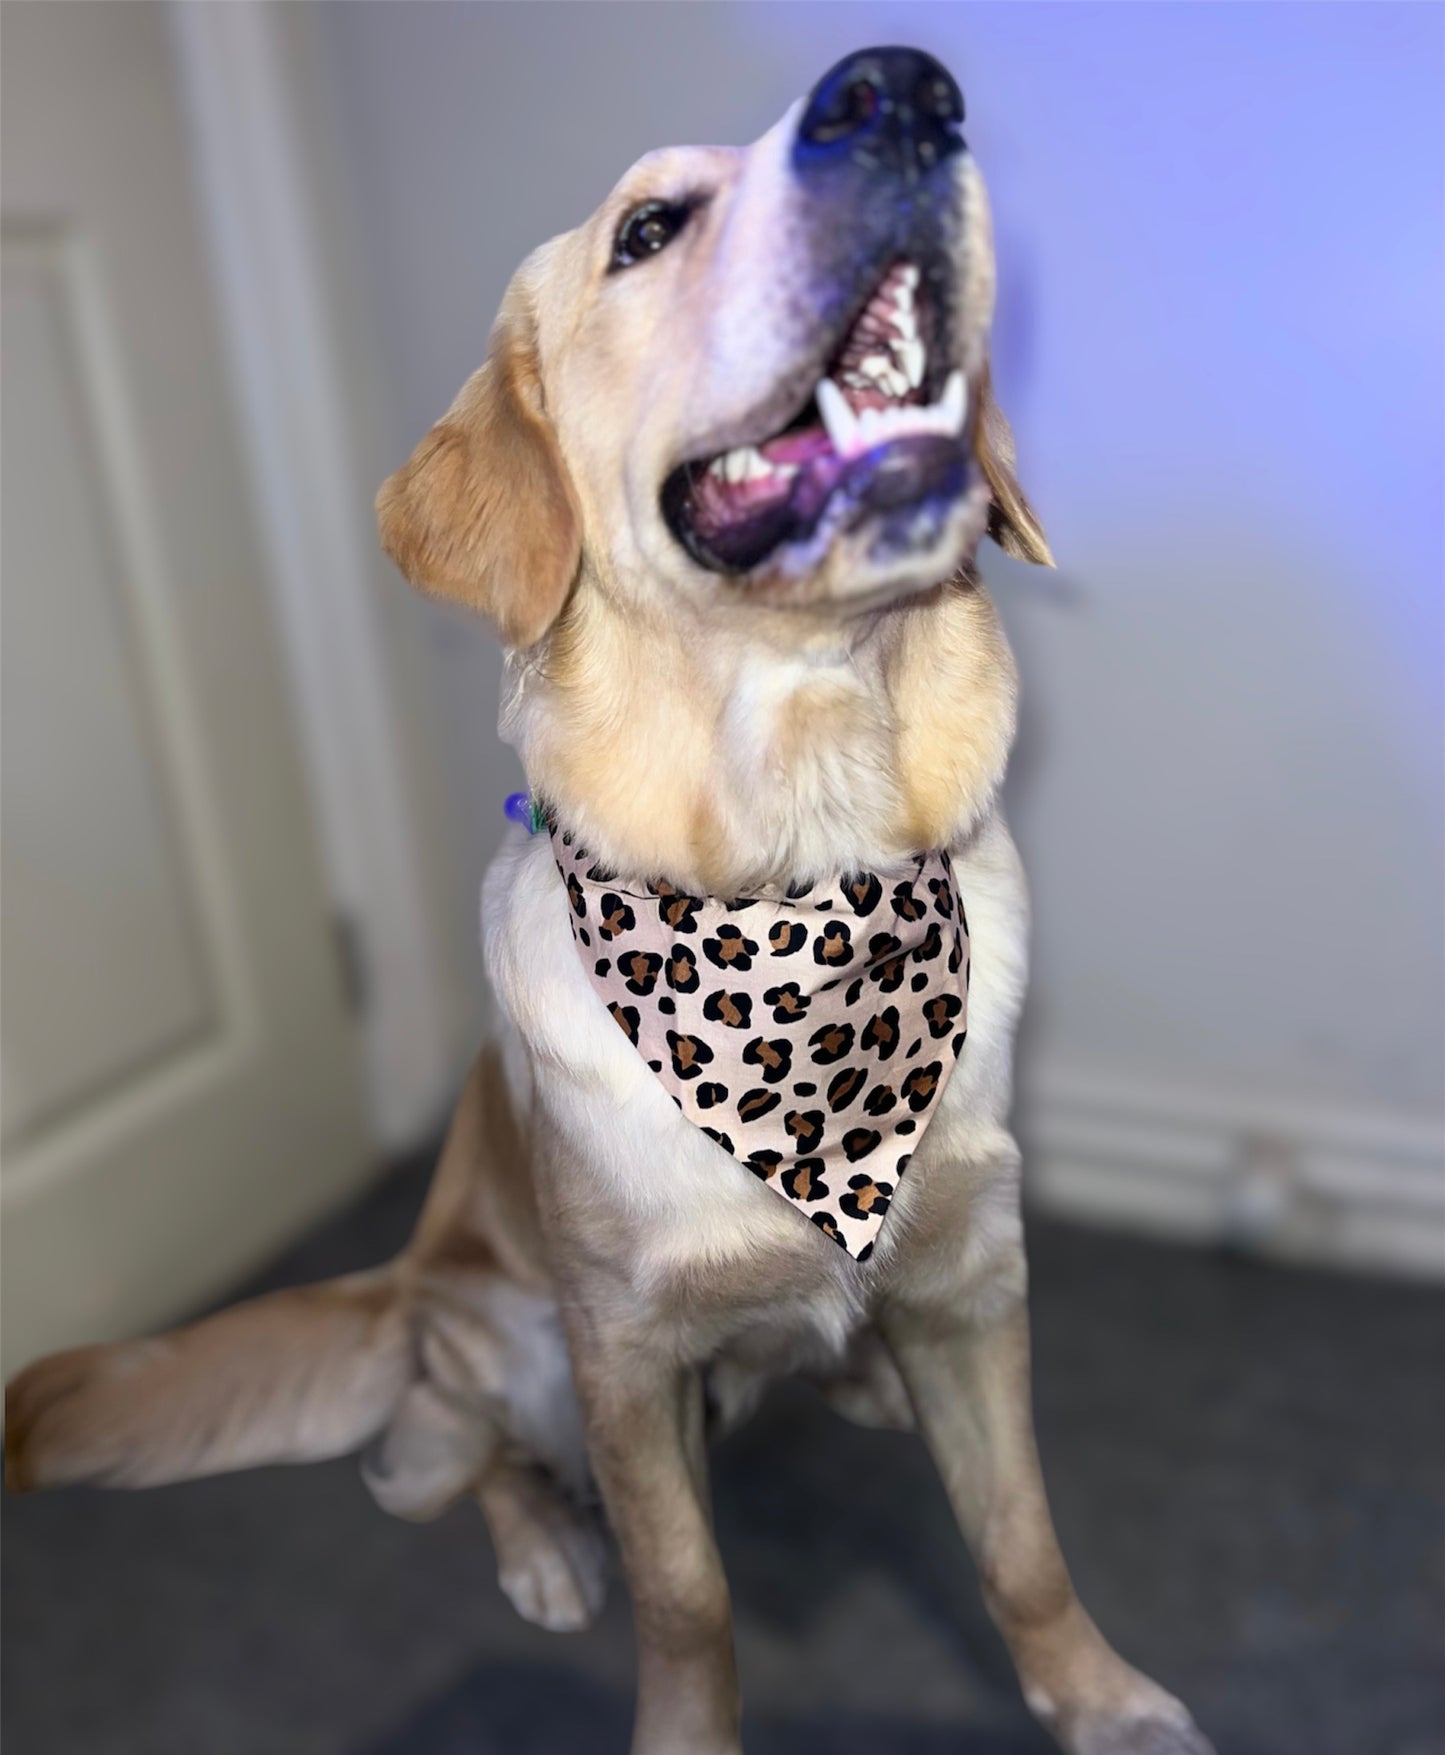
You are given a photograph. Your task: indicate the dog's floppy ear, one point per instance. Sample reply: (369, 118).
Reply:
(1012, 521)
(483, 513)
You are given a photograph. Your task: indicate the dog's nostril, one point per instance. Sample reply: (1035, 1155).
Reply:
(845, 109)
(939, 97)
(862, 103)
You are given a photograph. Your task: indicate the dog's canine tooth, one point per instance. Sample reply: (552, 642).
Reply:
(839, 421)
(953, 404)
(851, 434)
(911, 354)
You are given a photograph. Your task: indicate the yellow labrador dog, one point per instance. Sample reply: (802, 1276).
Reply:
(719, 487)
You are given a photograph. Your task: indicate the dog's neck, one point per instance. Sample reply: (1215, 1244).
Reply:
(730, 757)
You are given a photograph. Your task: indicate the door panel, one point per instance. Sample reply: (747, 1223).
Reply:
(102, 963)
(180, 1075)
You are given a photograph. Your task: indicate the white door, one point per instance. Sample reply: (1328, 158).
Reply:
(179, 1068)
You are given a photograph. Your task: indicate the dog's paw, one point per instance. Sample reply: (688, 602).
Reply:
(554, 1573)
(1142, 1736)
(1119, 1712)
(1162, 1727)
(555, 1586)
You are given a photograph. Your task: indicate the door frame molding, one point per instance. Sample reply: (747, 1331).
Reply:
(296, 397)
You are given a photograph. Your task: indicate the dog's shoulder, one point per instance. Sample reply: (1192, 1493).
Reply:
(994, 888)
(990, 879)
(536, 974)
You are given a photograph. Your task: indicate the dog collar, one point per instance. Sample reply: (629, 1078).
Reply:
(809, 1034)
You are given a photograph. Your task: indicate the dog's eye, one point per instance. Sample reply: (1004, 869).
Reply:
(646, 230)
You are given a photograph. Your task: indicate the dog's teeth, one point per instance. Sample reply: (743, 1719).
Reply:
(953, 404)
(875, 366)
(909, 276)
(745, 464)
(913, 359)
(839, 421)
(851, 434)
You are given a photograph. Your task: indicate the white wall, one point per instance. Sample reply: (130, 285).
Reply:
(1220, 241)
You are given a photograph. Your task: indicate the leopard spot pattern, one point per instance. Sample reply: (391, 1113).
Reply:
(854, 988)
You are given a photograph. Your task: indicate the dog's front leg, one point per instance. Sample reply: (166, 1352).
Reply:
(963, 1351)
(644, 1416)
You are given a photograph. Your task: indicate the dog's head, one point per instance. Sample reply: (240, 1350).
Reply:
(755, 375)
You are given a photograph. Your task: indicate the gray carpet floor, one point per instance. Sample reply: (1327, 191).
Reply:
(1245, 1464)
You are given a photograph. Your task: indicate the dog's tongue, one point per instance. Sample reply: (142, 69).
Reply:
(718, 504)
(728, 513)
(798, 447)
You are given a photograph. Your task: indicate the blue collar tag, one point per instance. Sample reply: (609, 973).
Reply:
(522, 808)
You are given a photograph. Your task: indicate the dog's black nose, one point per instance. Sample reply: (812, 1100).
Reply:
(892, 110)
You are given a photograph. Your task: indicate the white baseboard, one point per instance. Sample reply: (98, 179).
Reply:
(1334, 1186)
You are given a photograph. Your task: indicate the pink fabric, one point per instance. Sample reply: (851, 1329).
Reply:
(811, 1035)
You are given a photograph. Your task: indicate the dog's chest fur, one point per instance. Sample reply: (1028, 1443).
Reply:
(691, 1234)
(728, 763)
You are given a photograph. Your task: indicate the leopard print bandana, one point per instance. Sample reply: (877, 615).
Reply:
(809, 1033)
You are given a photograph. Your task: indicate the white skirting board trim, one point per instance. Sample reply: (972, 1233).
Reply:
(1305, 1182)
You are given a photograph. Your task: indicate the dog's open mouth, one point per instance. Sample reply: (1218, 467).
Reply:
(884, 427)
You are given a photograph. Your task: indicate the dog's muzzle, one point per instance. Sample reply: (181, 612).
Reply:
(880, 433)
